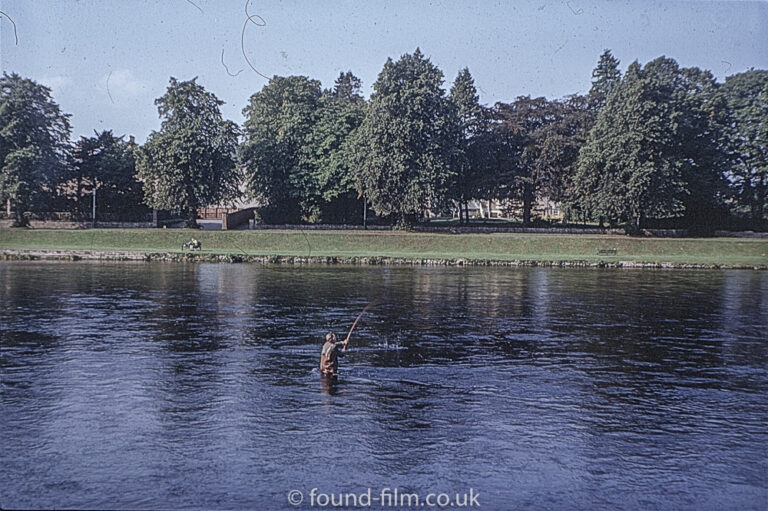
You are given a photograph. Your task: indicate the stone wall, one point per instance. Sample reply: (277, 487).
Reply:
(232, 220)
(323, 227)
(59, 224)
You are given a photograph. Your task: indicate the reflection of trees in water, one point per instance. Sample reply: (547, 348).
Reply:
(25, 314)
(641, 322)
(744, 318)
(447, 313)
(653, 348)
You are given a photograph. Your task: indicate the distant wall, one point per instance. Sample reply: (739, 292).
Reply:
(322, 227)
(232, 220)
(58, 224)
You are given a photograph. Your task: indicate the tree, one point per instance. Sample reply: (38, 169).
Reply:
(407, 143)
(559, 142)
(190, 162)
(701, 145)
(340, 112)
(605, 77)
(279, 119)
(347, 87)
(626, 169)
(473, 126)
(539, 132)
(107, 163)
(34, 144)
(497, 150)
(746, 96)
(653, 151)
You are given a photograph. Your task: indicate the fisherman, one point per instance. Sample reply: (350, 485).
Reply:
(332, 350)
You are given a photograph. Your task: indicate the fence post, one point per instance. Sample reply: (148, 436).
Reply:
(94, 208)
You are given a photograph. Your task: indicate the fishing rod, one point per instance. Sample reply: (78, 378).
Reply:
(375, 302)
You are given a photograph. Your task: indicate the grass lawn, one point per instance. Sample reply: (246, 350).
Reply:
(496, 246)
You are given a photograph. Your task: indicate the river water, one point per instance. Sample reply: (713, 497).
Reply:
(170, 386)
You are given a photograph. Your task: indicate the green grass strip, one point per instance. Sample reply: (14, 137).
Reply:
(496, 246)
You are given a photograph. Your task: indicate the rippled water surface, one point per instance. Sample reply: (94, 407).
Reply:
(194, 386)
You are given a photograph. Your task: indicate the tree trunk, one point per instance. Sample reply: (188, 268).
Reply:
(758, 202)
(79, 196)
(527, 203)
(191, 221)
(634, 224)
(20, 220)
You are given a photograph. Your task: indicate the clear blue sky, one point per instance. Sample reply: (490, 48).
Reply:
(89, 50)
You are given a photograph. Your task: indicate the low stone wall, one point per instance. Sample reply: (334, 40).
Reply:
(60, 224)
(530, 230)
(322, 227)
(741, 234)
(658, 233)
(197, 257)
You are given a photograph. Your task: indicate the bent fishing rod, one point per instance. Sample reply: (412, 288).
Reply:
(375, 302)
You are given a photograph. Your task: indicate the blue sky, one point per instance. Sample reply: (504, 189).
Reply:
(107, 60)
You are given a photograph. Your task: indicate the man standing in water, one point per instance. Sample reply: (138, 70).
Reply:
(332, 350)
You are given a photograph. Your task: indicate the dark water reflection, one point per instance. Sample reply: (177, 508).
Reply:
(151, 385)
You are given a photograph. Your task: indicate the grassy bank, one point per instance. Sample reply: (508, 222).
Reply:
(357, 244)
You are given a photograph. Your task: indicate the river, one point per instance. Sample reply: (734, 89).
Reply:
(151, 385)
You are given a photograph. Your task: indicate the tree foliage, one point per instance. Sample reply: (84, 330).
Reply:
(538, 141)
(190, 162)
(746, 97)
(107, 163)
(340, 112)
(471, 156)
(653, 149)
(605, 77)
(279, 119)
(34, 137)
(405, 148)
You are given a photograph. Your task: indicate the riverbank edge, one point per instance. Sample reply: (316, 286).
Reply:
(211, 257)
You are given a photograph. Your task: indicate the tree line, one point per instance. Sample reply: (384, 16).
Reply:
(658, 144)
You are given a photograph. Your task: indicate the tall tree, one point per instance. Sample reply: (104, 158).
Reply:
(34, 144)
(190, 162)
(340, 112)
(529, 122)
(653, 149)
(746, 95)
(605, 77)
(472, 149)
(406, 145)
(701, 142)
(279, 119)
(559, 141)
(626, 169)
(107, 163)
